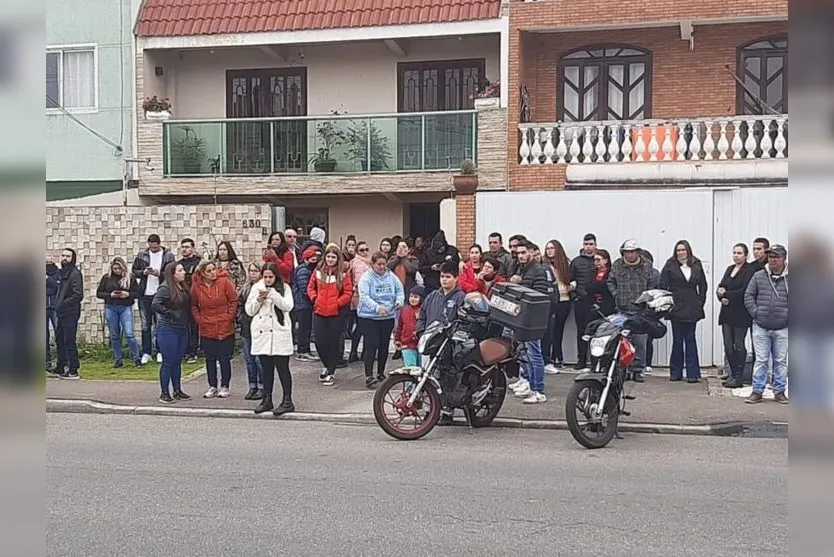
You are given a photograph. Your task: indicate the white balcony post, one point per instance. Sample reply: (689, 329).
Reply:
(767, 142)
(667, 147)
(723, 142)
(524, 149)
(574, 145)
(781, 143)
(737, 144)
(614, 144)
(600, 148)
(695, 143)
(640, 145)
(561, 148)
(548, 145)
(536, 150)
(680, 146)
(627, 148)
(653, 145)
(587, 147)
(750, 143)
(709, 140)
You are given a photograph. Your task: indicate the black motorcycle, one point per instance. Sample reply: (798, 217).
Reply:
(596, 400)
(468, 363)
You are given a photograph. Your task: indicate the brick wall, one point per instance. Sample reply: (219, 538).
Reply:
(465, 213)
(99, 234)
(684, 83)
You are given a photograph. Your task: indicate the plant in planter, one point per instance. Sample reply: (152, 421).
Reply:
(380, 148)
(466, 182)
(487, 93)
(330, 135)
(189, 151)
(156, 108)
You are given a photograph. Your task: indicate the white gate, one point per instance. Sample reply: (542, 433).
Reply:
(656, 218)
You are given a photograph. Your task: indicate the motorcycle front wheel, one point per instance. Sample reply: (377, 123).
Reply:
(399, 419)
(583, 398)
(484, 413)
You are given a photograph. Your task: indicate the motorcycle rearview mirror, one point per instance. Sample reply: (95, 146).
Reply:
(586, 338)
(626, 332)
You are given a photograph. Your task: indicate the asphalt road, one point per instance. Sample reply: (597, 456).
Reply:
(148, 486)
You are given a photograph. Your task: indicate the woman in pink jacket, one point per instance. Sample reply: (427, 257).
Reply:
(360, 263)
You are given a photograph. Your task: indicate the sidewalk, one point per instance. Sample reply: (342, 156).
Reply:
(659, 401)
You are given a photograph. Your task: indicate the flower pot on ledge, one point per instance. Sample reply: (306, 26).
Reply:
(158, 115)
(487, 102)
(465, 184)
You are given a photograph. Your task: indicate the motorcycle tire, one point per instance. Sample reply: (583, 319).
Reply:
(611, 411)
(496, 396)
(430, 395)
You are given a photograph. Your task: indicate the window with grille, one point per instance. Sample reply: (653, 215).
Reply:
(763, 68)
(71, 78)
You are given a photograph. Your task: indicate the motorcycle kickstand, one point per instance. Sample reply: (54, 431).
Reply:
(469, 414)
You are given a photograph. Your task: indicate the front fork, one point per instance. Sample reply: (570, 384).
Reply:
(597, 414)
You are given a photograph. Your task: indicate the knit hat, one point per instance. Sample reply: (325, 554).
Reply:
(418, 291)
(310, 253)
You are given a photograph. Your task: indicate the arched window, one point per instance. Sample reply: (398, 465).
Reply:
(763, 68)
(605, 83)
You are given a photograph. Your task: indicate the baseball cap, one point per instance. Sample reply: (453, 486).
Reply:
(778, 249)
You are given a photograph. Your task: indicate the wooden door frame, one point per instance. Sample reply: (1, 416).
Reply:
(266, 73)
(441, 66)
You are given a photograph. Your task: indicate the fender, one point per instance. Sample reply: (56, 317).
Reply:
(417, 373)
(600, 378)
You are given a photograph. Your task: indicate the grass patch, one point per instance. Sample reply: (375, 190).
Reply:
(98, 370)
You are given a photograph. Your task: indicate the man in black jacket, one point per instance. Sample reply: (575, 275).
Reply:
(438, 253)
(583, 272)
(68, 309)
(189, 262)
(53, 279)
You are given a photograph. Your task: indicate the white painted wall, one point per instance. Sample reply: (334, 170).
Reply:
(711, 220)
(449, 219)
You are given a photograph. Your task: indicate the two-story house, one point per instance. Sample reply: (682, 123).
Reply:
(652, 120)
(89, 96)
(348, 115)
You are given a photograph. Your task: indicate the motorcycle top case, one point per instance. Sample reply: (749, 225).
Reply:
(521, 309)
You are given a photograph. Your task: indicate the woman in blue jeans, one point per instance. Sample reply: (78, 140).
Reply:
(253, 364)
(172, 306)
(119, 290)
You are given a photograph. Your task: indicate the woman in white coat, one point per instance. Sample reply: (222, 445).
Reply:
(269, 304)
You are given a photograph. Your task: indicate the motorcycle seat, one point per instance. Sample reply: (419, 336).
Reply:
(494, 350)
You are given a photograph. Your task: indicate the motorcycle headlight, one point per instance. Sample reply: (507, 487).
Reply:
(598, 345)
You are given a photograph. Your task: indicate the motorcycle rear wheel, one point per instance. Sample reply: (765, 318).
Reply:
(391, 407)
(484, 414)
(582, 395)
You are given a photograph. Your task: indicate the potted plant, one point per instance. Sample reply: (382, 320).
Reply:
(156, 108)
(380, 148)
(189, 151)
(488, 94)
(330, 136)
(466, 182)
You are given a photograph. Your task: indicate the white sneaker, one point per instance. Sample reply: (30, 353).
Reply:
(648, 370)
(146, 359)
(224, 392)
(523, 393)
(551, 369)
(211, 393)
(535, 398)
(159, 357)
(521, 385)
(516, 384)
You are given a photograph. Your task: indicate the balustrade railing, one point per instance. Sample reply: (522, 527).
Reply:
(692, 139)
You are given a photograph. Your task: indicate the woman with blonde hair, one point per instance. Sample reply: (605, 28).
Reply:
(330, 290)
(119, 290)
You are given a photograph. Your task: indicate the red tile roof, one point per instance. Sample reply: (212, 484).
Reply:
(167, 18)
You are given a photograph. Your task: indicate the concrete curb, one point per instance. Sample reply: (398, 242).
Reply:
(727, 429)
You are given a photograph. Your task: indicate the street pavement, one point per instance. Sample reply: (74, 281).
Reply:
(165, 486)
(659, 401)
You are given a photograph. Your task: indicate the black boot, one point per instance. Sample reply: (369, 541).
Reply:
(398, 355)
(250, 395)
(285, 407)
(258, 394)
(265, 405)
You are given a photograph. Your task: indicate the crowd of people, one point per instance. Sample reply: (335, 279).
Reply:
(300, 295)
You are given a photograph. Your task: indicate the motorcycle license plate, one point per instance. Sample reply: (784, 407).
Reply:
(506, 306)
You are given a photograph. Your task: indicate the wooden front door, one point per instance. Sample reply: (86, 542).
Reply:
(263, 147)
(433, 87)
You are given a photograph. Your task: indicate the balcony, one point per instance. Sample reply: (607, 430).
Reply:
(329, 145)
(754, 147)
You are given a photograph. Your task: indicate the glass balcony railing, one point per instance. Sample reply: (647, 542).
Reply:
(407, 142)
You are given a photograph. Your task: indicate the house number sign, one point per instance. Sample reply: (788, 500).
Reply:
(254, 223)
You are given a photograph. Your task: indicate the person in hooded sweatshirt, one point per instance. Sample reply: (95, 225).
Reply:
(316, 239)
(583, 271)
(120, 290)
(381, 296)
(439, 252)
(68, 310)
(52, 282)
(189, 262)
(442, 304)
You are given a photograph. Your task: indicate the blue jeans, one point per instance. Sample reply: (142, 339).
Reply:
(51, 317)
(148, 319)
(535, 365)
(411, 358)
(684, 347)
(253, 365)
(770, 344)
(120, 320)
(172, 342)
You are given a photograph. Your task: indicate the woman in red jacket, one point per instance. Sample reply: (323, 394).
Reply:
(330, 289)
(278, 252)
(470, 269)
(483, 280)
(214, 307)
